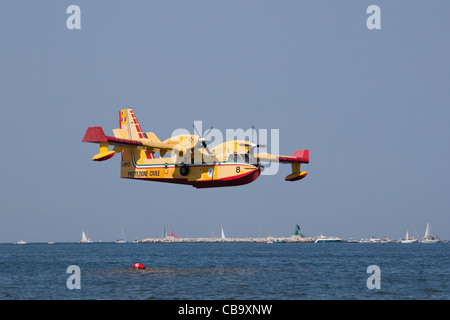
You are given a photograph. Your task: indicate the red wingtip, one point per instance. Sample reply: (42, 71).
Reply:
(302, 155)
(95, 134)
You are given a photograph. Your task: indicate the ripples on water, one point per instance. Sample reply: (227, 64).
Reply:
(194, 271)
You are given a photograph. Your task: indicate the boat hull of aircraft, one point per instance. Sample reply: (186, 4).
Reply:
(199, 175)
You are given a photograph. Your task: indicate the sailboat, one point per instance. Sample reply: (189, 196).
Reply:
(428, 237)
(408, 239)
(122, 237)
(269, 239)
(85, 239)
(223, 234)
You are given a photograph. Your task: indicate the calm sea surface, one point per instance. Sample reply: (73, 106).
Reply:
(194, 271)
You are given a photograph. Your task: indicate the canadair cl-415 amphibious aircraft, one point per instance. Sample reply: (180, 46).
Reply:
(231, 163)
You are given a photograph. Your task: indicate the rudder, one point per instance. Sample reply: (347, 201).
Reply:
(129, 124)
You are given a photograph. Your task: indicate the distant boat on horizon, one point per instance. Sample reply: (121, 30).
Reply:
(122, 237)
(323, 238)
(85, 239)
(408, 239)
(428, 237)
(21, 242)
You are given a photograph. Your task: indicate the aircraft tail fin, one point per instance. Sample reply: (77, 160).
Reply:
(130, 129)
(129, 124)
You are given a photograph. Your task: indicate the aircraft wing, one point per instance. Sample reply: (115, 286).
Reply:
(97, 135)
(297, 158)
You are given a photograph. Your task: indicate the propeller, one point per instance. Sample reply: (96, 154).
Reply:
(202, 139)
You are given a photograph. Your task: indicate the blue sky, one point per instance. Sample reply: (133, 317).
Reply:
(372, 106)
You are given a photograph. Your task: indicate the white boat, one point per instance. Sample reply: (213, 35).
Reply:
(269, 239)
(408, 239)
(327, 239)
(428, 237)
(85, 239)
(21, 242)
(386, 240)
(123, 238)
(223, 234)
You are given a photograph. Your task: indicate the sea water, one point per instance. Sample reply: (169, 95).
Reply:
(193, 271)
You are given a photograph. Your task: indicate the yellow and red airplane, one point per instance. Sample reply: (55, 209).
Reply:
(231, 163)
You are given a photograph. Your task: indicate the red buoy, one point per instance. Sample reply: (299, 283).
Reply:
(138, 265)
